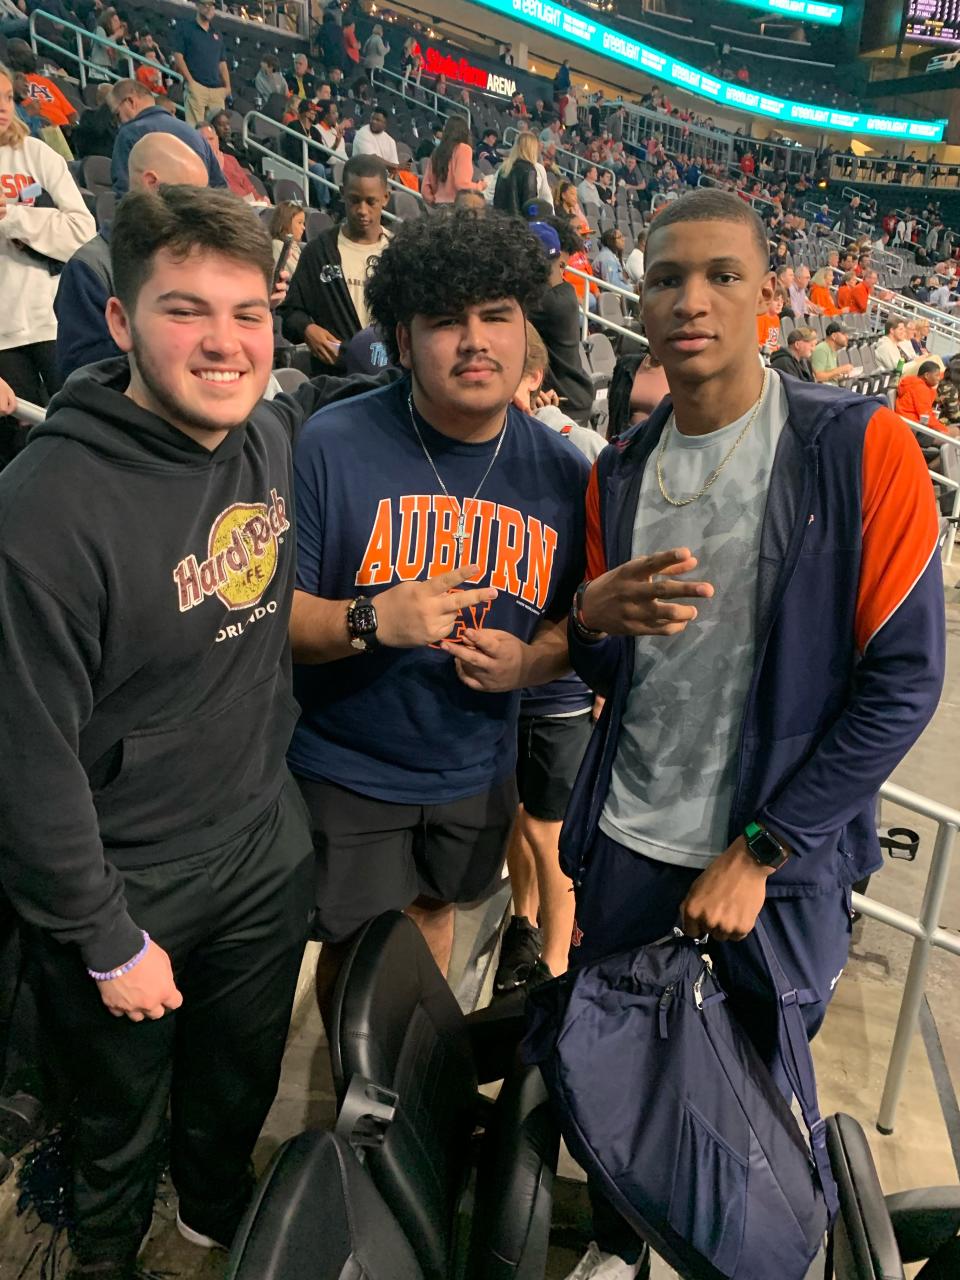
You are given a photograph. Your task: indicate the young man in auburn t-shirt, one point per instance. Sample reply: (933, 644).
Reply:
(440, 539)
(325, 305)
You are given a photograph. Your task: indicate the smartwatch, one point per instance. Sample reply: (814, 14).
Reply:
(764, 847)
(362, 625)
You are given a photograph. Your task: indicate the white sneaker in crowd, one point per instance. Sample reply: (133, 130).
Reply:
(595, 1265)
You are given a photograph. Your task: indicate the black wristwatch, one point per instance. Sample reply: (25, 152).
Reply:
(362, 625)
(764, 847)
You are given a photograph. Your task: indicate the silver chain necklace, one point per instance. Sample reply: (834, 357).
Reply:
(715, 474)
(461, 531)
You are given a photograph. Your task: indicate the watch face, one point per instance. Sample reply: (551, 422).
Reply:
(364, 619)
(766, 849)
(362, 624)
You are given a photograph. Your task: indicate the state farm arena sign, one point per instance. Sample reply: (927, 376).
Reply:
(459, 69)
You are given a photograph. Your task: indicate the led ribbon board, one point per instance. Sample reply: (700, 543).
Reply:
(827, 15)
(582, 31)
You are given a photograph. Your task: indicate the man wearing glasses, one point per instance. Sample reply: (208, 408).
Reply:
(137, 114)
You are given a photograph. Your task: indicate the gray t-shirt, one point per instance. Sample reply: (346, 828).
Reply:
(673, 777)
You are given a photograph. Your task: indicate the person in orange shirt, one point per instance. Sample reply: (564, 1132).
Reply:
(820, 294)
(151, 76)
(768, 323)
(917, 395)
(854, 295)
(53, 105)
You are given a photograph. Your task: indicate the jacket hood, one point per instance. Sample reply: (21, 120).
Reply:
(93, 409)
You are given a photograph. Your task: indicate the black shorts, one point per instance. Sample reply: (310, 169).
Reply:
(549, 751)
(375, 856)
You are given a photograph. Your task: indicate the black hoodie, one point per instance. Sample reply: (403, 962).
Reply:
(318, 294)
(145, 591)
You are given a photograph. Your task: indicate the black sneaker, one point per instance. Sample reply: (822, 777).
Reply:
(519, 953)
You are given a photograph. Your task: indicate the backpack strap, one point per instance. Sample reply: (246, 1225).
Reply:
(798, 1064)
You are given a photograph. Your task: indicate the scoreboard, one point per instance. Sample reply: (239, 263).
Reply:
(934, 20)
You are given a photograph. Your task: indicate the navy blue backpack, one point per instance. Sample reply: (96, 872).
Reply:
(665, 1102)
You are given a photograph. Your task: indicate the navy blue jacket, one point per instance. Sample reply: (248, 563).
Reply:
(86, 283)
(157, 120)
(850, 634)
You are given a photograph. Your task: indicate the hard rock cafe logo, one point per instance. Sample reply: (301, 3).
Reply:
(242, 555)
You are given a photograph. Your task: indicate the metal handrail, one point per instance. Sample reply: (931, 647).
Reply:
(872, 170)
(450, 106)
(588, 317)
(27, 411)
(925, 931)
(947, 326)
(562, 151)
(308, 145)
(83, 63)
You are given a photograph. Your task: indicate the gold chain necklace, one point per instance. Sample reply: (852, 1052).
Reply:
(712, 478)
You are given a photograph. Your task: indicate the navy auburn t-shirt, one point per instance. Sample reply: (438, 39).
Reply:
(399, 724)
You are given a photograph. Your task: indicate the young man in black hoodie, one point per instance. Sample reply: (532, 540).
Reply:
(151, 840)
(325, 306)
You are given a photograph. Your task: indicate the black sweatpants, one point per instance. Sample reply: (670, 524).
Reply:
(234, 922)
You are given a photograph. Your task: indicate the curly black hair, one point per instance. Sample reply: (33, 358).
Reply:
(450, 260)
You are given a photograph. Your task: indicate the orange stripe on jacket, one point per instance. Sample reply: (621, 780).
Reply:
(596, 556)
(900, 524)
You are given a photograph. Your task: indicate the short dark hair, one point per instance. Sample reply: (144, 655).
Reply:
(928, 366)
(833, 328)
(713, 206)
(364, 166)
(378, 111)
(181, 219)
(305, 107)
(451, 260)
(270, 61)
(891, 323)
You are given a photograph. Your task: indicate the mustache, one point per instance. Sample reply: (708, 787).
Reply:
(473, 363)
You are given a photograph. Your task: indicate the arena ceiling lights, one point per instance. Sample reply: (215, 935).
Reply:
(827, 15)
(577, 29)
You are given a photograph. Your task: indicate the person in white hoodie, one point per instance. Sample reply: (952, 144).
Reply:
(43, 221)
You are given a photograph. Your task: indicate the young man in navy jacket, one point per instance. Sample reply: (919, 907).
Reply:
(750, 717)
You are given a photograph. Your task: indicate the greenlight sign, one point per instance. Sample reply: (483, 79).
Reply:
(580, 30)
(828, 15)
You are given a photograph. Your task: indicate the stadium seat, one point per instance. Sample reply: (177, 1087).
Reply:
(601, 359)
(106, 207)
(318, 221)
(290, 379)
(610, 306)
(96, 174)
(404, 204)
(287, 189)
(317, 1216)
(397, 1033)
(875, 1235)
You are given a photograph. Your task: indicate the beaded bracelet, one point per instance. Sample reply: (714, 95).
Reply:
(110, 974)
